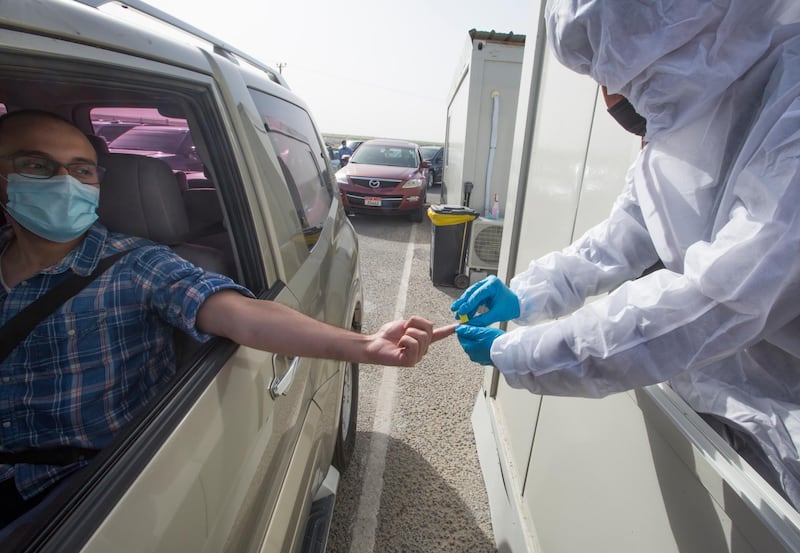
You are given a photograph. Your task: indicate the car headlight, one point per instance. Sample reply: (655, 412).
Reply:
(414, 183)
(341, 178)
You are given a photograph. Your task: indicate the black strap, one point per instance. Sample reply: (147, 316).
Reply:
(15, 331)
(20, 325)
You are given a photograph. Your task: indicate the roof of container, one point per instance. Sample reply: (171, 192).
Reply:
(493, 36)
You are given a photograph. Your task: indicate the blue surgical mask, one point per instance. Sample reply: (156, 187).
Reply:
(58, 209)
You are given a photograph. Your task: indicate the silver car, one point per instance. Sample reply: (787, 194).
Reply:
(242, 451)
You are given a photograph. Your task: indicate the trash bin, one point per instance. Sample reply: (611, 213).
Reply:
(449, 242)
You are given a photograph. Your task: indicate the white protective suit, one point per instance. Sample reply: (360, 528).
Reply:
(715, 195)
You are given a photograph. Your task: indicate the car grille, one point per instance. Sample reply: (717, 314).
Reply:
(382, 183)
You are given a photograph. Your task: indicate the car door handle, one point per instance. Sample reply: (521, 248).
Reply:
(280, 386)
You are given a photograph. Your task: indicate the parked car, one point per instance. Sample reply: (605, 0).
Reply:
(333, 156)
(110, 130)
(385, 176)
(435, 156)
(172, 144)
(354, 144)
(241, 451)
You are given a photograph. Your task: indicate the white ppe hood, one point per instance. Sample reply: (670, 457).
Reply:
(715, 196)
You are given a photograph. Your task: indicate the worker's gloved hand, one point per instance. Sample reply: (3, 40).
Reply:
(502, 304)
(477, 341)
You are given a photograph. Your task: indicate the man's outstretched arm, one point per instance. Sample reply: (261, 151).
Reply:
(270, 326)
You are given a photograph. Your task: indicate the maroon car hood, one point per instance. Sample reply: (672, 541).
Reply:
(380, 171)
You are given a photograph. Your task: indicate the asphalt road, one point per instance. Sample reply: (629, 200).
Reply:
(414, 484)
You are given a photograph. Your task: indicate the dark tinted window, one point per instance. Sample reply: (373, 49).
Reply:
(428, 152)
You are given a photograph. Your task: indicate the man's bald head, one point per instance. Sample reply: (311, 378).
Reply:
(29, 116)
(42, 131)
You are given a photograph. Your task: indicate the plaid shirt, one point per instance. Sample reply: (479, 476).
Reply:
(87, 369)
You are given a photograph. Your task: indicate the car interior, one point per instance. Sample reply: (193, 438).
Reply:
(140, 195)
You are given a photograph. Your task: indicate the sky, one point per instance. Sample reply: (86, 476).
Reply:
(375, 68)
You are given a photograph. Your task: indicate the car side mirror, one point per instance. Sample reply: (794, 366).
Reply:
(426, 164)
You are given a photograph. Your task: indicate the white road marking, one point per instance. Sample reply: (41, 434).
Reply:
(369, 503)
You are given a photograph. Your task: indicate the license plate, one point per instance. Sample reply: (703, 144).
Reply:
(376, 202)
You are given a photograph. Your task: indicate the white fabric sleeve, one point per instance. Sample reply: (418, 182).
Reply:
(738, 287)
(614, 251)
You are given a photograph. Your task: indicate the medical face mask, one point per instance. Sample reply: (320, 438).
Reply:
(59, 209)
(626, 116)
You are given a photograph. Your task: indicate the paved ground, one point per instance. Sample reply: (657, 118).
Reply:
(414, 484)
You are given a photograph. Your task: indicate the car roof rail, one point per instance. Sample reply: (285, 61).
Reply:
(220, 47)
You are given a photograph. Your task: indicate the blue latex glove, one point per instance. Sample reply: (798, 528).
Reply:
(501, 302)
(477, 341)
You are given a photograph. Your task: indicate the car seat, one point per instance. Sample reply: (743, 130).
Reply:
(181, 179)
(98, 143)
(140, 197)
(206, 219)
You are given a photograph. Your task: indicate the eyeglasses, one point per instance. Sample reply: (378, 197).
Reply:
(38, 167)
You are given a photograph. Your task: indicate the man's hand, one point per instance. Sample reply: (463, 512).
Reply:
(404, 343)
(273, 327)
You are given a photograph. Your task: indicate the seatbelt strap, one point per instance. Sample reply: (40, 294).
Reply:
(20, 325)
(14, 332)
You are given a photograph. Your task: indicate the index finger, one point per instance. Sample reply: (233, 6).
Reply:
(443, 332)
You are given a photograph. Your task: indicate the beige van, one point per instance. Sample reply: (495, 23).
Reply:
(243, 451)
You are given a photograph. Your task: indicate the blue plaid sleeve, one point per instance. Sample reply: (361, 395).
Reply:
(87, 369)
(176, 289)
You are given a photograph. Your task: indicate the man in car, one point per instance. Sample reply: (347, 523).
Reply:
(89, 367)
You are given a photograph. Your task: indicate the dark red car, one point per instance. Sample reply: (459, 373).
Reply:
(385, 176)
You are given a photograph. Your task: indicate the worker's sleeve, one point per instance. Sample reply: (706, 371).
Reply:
(737, 288)
(614, 251)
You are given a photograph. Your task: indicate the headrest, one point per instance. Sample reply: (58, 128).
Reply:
(180, 178)
(140, 196)
(203, 209)
(98, 143)
(198, 183)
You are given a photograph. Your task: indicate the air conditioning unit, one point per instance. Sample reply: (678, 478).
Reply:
(484, 244)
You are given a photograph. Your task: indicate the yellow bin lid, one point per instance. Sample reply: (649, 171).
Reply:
(442, 215)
